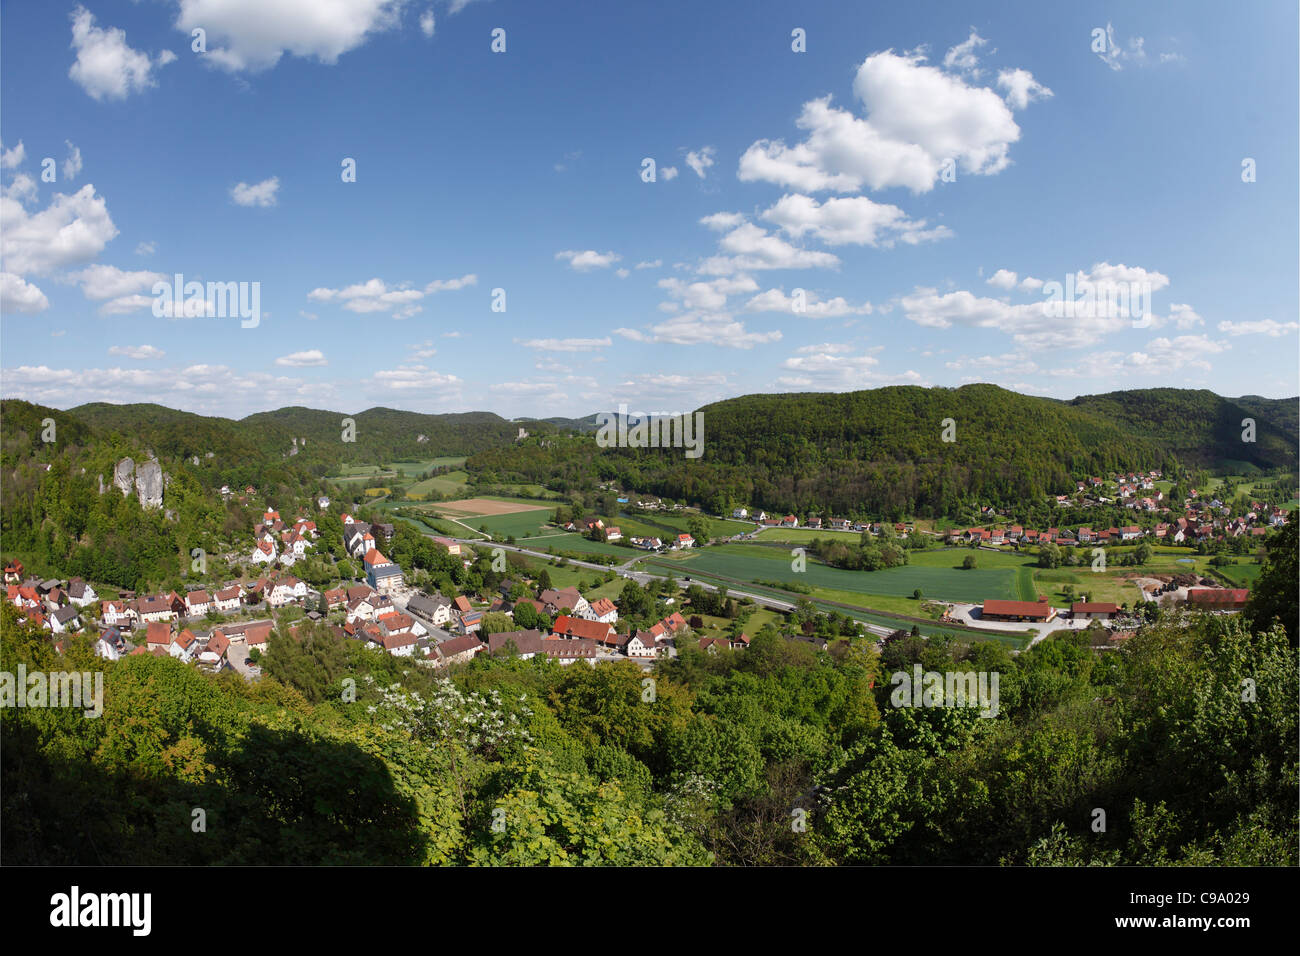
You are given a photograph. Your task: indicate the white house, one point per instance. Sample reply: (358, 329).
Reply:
(286, 591)
(228, 599)
(642, 644)
(198, 602)
(740, 513)
(80, 593)
(119, 614)
(184, 646)
(264, 553)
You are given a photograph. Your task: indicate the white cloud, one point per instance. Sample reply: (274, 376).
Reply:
(775, 300)
(855, 220)
(259, 194)
(415, 378)
(427, 22)
(12, 158)
(582, 261)
(1115, 55)
(565, 345)
(702, 328)
(917, 118)
(71, 230)
(22, 189)
(146, 249)
(18, 295)
(253, 35)
(1003, 279)
(110, 282)
(1022, 89)
(374, 295)
(106, 67)
(451, 285)
(700, 161)
(72, 165)
(1036, 324)
(722, 221)
(963, 57)
(622, 273)
(751, 247)
(142, 352)
(1186, 351)
(668, 173)
(650, 264)
(1260, 327)
(310, 358)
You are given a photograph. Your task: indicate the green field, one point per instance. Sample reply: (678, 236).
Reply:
(757, 563)
(803, 535)
(451, 483)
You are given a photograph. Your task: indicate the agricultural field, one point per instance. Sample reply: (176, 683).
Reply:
(757, 563)
(451, 483)
(804, 535)
(410, 469)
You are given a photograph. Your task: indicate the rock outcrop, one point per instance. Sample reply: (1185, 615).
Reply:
(147, 480)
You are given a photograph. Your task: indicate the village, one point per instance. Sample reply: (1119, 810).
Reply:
(206, 626)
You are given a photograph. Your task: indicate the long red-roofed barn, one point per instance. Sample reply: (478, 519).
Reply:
(1039, 612)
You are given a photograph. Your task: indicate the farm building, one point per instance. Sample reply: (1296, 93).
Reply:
(1218, 599)
(1092, 610)
(1037, 611)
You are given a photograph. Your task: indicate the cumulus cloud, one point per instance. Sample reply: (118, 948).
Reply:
(106, 67)
(427, 22)
(18, 295)
(1044, 323)
(71, 230)
(1003, 279)
(701, 328)
(668, 173)
(252, 35)
(1022, 89)
(963, 58)
(110, 282)
(72, 165)
(813, 306)
(310, 358)
(917, 118)
(258, 194)
(700, 161)
(1268, 327)
(375, 295)
(587, 259)
(141, 352)
(12, 158)
(856, 220)
(749, 247)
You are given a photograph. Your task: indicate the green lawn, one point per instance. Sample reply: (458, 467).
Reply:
(803, 535)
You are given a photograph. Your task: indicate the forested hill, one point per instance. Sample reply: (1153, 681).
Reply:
(378, 433)
(882, 451)
(1202, 428)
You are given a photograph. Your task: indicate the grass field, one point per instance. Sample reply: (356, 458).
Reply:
(803, 535)
(757, 563)
(451, 483)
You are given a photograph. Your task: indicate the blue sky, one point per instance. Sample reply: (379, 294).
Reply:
(921, 172)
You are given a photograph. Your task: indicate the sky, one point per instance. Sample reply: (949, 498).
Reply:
(554, 208)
